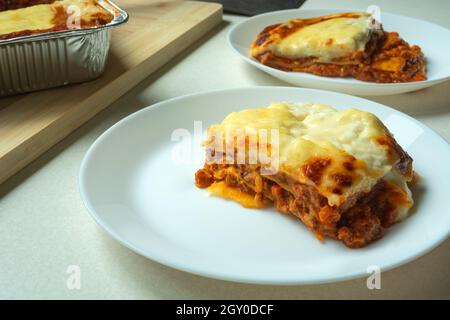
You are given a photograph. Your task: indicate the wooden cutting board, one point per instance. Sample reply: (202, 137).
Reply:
(156, 32)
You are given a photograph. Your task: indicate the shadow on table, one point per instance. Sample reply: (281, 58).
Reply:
(426, 278)
(434, 100)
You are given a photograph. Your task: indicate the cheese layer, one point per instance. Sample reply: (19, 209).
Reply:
(332, 38)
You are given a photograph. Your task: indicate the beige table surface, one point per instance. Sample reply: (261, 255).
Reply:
(44, 227)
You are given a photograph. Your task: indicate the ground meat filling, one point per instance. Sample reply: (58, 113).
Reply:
(355, 226)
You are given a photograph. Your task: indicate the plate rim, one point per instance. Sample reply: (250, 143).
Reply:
(331, 80)
(219, 275)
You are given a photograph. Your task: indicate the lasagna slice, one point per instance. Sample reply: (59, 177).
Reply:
(340, 172)
(45, 16)
(340, 45)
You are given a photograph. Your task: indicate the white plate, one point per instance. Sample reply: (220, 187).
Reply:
(149, 203)
(433, 40)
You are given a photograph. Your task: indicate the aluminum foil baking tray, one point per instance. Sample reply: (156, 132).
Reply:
(53, 59)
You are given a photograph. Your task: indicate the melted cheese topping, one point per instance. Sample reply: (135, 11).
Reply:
(32, 18)
(326, 40)
(44, 16)
(351, 130)
(309, 131)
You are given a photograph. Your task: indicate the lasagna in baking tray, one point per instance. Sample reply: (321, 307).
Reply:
(39, 16)
(340, 45)
(340, 172)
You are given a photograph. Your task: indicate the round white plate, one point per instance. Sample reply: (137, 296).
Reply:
(139, 192)
(430, 37)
